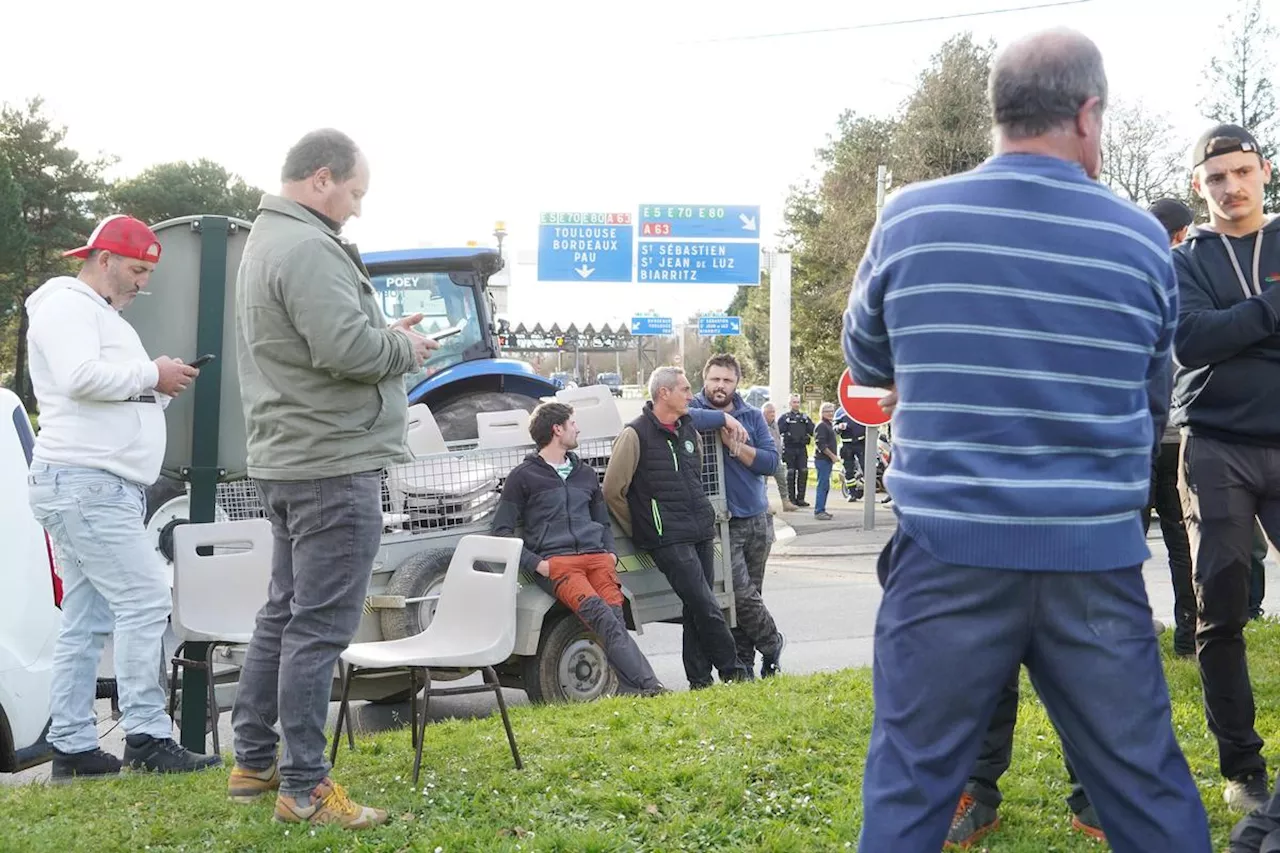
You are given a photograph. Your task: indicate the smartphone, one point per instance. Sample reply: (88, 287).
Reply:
(202, 361)
(447, 332)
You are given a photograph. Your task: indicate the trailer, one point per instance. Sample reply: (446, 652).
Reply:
(428, 505)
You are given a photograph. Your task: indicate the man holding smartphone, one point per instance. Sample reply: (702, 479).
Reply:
(322, 379)
(101, 442)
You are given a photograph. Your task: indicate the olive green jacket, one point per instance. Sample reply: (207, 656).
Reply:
(321, 374)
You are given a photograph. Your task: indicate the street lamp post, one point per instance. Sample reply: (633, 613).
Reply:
(500, 231)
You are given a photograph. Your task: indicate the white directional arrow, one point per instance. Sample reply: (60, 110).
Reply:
(585, 270)
(635, 325)
(748, 222)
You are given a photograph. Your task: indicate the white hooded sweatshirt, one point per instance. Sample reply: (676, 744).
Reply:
(86, 362)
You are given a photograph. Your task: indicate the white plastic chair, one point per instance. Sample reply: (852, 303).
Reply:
(474, 627)
(424, 436)
(216, 596)
(496, 430)
(594, 410)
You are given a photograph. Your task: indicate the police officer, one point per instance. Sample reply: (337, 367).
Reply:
(796, 428)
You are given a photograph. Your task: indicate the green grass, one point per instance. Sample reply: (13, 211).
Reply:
(769, 766)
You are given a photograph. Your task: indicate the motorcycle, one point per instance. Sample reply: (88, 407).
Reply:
(853, 480)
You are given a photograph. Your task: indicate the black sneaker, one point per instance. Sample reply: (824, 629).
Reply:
(94, 764)
(800, 503)
(164, 755)
(771, 665)
(1247, 793)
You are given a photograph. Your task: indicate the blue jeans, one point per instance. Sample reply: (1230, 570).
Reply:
(823, 466)
(1086, 640)
(112, 581)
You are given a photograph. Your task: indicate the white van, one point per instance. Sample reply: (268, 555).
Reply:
(30, 595)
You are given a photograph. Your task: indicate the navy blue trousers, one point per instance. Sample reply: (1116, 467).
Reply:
(949, 639)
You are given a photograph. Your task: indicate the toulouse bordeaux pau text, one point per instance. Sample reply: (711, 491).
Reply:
(585, 242)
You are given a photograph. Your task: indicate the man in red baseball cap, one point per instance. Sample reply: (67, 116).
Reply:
(101, 441)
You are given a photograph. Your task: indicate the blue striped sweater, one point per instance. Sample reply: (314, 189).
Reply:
(1025, 315)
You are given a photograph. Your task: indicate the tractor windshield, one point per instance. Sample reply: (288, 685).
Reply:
(443, 303)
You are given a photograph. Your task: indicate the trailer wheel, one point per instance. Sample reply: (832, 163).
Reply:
(420, 574)
(457, 417)
(161, 492)
(571, 665)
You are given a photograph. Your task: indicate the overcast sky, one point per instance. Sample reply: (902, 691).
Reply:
(472, 112)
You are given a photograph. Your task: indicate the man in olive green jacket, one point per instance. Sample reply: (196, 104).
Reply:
(322, 379)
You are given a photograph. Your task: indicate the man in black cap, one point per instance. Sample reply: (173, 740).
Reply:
(1227, 352)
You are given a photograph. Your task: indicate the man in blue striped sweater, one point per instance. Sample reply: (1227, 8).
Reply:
(1023, 314)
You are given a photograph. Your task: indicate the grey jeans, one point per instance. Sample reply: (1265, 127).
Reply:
(750, 540)
(327, 534)
(780, 477)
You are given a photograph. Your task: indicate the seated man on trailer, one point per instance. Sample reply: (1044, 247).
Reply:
(556, 501)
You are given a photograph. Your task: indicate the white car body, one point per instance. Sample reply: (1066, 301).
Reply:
(29, 615)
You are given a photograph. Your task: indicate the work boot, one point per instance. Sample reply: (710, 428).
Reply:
(771, 665)
(972, 821)
(1087, 822)
(327, 803)
(92, 764)
(245, 785)
(164, 755)
(788, 506)
(1247, 793)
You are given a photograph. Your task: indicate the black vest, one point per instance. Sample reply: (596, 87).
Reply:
(667, 502)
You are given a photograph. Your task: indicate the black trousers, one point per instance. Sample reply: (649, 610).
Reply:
(690, 569)
(1224, 487)
(797, 460)
(997, 754)
(1167, 503)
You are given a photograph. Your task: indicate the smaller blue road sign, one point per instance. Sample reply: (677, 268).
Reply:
(711, 327)
(650, 325)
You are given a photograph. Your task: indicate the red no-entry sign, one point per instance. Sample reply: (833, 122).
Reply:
(862, 403)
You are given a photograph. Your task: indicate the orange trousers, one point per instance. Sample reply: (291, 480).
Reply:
(579, 577)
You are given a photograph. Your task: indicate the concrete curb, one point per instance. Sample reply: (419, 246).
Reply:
(850, 550)
(782, 533)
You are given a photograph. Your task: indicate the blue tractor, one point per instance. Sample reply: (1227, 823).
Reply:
(468, 373)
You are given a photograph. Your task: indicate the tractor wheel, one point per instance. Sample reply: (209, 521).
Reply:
(457, 417)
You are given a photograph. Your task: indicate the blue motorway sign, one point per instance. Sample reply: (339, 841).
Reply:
(585, 247)
(650, 325)
(709, 221)
(714, 326)
(700, 261)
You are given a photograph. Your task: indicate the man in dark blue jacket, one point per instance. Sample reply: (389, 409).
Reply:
(751, 535)
(556, 502)
(1227, 349)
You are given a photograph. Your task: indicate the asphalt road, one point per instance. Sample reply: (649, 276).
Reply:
(826, 605)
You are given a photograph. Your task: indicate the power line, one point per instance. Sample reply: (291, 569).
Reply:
(880, 24)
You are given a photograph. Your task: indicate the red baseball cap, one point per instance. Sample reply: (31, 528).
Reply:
(121, 235)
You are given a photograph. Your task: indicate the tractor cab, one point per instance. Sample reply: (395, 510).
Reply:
(468, 373)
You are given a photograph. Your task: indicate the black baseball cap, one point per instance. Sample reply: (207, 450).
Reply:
(1173, 214)
(1232, 137)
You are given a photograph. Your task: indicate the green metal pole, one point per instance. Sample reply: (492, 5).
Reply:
(204, 472)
